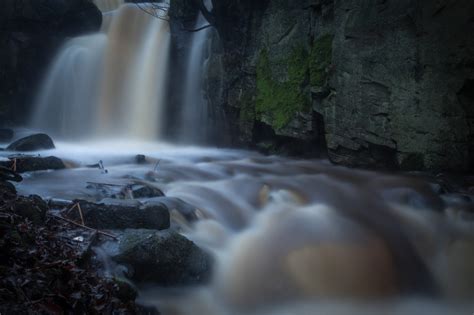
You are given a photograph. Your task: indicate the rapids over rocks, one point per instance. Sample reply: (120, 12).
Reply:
(289, 236)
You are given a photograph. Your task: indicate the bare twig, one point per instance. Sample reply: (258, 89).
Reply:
(156, 10)
(80, 213)
(156, 165)
(84, 227)
(103, 184)
(14, 165)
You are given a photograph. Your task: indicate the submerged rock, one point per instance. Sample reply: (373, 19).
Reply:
(140, 159)
(34, 142)
(31, 163)
(146, 191)
(102, 216)
(6, 135)
(165, 257)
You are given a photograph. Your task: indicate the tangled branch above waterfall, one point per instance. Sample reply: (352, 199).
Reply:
(157, 10)
(160, 11)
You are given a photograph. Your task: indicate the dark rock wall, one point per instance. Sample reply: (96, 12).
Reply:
(374, 83)
(31, 31)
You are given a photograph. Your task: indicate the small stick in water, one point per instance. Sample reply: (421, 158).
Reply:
(14, 165)
(156, 165)
(80, 213)
(85, 227)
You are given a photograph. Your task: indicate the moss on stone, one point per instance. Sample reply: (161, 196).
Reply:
(320, 60)
(278, 102)
(247, 109)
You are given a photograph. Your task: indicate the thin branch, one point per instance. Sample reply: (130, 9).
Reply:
(84, 227)
(156, 10)
(104, 184)
(80, 213)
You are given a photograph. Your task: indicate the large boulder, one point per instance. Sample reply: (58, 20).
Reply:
(33, 163)
(102, 216)
(165, 257)
(34, 142)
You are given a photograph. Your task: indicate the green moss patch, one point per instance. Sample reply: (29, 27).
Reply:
(278, 101)
(320, 60)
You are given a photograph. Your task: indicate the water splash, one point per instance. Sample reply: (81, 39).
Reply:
(111, 83)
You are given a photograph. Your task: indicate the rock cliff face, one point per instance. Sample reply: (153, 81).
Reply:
(30, 33)
(374, 83)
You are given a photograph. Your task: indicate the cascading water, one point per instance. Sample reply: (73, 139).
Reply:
(111, 83)
(291, 236)
(194, 117)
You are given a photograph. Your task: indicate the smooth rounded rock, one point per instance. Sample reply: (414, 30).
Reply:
(34, 142)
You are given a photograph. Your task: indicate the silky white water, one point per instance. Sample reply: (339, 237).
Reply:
(290, 236)
(111, 83)
(195, 115)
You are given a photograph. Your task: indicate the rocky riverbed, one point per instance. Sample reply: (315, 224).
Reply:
(187, 230)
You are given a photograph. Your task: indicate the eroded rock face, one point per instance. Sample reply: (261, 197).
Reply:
(164, 257)
(399, 67)
(30, 33)
(383, 84)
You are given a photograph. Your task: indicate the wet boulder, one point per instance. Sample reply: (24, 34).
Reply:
(163, 257)
(6, 135)
(146, 191)
(140, 159)
(34, 142)
(108, 216)
(33, 163)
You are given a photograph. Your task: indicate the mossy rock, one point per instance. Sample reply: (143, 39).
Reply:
(320, 60)
(163, 257)
(278, 102)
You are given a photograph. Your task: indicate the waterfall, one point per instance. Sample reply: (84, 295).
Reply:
(111, 83)
(194, 117)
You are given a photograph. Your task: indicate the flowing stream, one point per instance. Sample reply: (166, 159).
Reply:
(290, 236)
